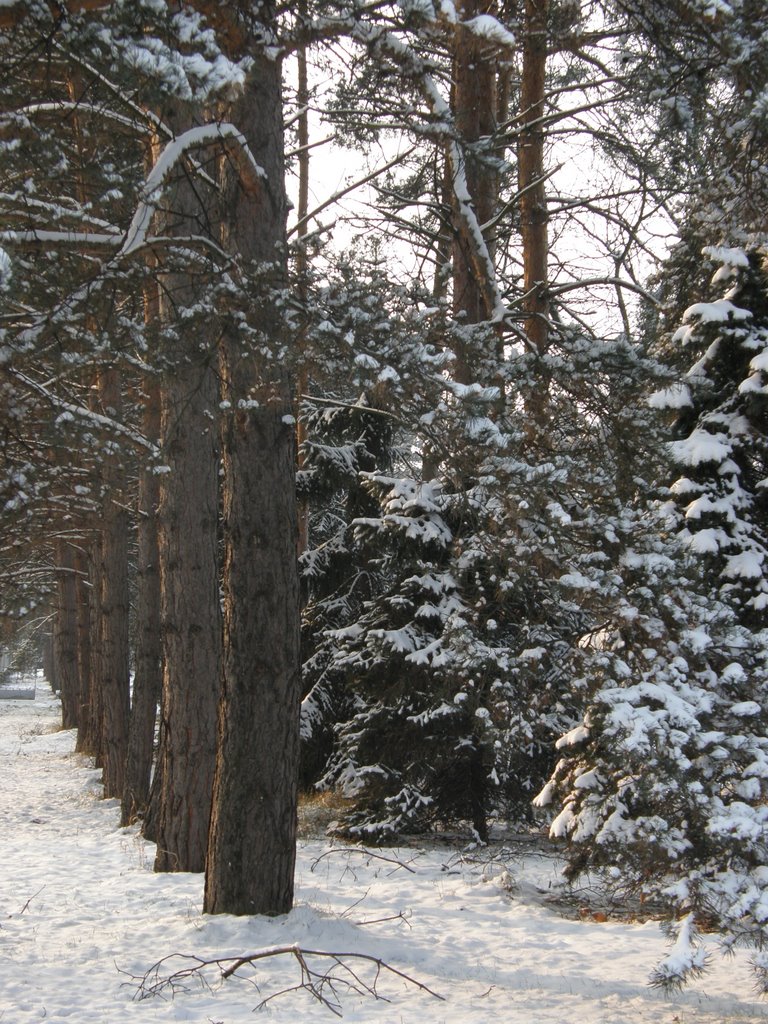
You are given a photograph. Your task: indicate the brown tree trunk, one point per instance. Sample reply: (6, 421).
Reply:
(113, 609)
(65, 635)
(188, 537)
(84, 741)
(147, 681)
(474, 101)
(531, 184)
(252, 842)
(92, 741)
(302, 100)
(191, 622)
(49, 670)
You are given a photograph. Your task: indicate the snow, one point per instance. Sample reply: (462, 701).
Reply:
(6, 270)
(735, 258)
(700, 446)
(677, 396)
(490, 28)
(718, 312)
(81, 911)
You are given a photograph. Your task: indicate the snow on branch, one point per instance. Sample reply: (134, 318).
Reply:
(85, 241)
(88, 242)
(417, 70)
(81, 107)
(686, 960)
(82, 413)
(252, 175)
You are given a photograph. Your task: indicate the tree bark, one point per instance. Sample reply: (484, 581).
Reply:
(84, 740)
(188, 538)
(65, 635)
(92, 741)
(474, 102)
(302, 101)
(49, 670)
(147, 680)
(113, 651)
(190, 615)
(531, 184)
(252, 843)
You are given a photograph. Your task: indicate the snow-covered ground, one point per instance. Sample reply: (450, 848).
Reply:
(81, 912)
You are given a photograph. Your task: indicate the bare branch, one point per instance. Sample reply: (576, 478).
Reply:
(613, 282)
(349, 188)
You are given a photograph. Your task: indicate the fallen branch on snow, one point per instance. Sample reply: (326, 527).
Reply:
(366, 853)
(323, 984)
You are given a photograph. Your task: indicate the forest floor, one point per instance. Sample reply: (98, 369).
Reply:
(83, 919)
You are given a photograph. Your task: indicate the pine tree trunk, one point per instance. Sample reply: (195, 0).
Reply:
(49, 670)
(147, 681)
(92, 741)
(113, 608)
(474, 99)
(253, 827)
(65, 635)
(252, 842)
(531, 184)
(84, 741)
(302, 101)
(191, 622)
(188, 548)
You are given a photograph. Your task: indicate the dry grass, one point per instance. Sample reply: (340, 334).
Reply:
(317, 811)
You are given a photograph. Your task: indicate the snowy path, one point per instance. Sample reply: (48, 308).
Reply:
(78, 900)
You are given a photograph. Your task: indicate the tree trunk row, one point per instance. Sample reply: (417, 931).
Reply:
(217, 529)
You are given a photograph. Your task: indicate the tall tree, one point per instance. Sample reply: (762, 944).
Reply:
(188, 525)
(253, 823)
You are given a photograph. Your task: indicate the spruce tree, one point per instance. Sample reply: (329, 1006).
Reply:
(663, 784)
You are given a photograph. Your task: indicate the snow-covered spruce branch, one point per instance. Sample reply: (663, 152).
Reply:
(155, 124)
(19, 203)
(354, 406)
(81, 107)
(87, 242)
(136, 239)
(324, 984)
(484, 26)
(90, 242)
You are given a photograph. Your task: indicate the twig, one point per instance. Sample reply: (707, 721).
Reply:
(402, 915)
(33, 896)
